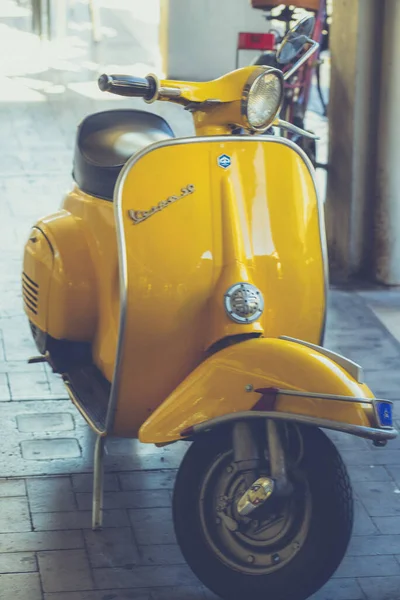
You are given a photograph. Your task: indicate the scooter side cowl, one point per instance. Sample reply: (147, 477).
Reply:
(58, 267)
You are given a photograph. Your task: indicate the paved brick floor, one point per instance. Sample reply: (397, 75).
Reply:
(47, 550)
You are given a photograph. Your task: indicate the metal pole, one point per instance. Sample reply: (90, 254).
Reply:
(387, 216)
(95, 18)
(98, 480)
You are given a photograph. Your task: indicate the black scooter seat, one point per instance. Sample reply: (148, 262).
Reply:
(106, 140)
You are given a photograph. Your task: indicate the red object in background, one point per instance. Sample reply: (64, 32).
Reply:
(256, 41)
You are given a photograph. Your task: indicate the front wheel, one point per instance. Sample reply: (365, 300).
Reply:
(287, 548)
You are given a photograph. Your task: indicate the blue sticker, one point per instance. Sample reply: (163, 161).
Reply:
(224, 161)
(385, 413)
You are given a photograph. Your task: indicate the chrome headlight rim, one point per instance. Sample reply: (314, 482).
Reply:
(250, 84)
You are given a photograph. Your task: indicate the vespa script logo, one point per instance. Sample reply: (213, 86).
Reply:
(138, 216)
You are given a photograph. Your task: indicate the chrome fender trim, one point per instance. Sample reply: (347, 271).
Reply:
(352, 368)
(370, 433)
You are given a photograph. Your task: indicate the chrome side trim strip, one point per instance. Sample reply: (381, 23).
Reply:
(122, 256)
(355, 370)
(357, 430)
(280, 392)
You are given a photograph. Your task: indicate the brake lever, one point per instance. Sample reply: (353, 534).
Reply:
(293, 129)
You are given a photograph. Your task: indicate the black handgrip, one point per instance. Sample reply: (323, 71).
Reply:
(126, 85)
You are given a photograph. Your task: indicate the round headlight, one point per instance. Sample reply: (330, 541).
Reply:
(262, 98)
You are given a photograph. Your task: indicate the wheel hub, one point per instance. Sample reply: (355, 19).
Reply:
(255, 496)
(262, 540)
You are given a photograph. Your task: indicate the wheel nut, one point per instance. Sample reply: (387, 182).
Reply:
(250, 558)
(296, 545)
(276, 558)
(229, 469)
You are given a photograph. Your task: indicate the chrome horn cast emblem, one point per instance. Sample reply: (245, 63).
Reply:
(138, 216)
(244, 303)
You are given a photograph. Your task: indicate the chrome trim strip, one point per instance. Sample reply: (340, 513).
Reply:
(355, 370)
(357, 430)
(326, 396)
(123, 271)
(294, 129)
(303, 59)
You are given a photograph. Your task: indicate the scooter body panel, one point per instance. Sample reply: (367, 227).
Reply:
(226, 383)
(194, 217)
(72, 259)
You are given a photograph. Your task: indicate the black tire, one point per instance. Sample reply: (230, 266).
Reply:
(324, 545)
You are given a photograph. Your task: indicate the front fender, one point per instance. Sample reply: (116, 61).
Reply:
(226, 383)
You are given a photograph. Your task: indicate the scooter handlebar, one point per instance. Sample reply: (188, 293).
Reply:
(126, 85)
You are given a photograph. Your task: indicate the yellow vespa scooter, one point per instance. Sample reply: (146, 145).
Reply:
(181, 293)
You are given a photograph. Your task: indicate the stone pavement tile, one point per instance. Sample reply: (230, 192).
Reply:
(363, 524)
(383, 457)
(147, 480)
(381, 588)
(395, 473)
(368, 566)
(42, 540)
(380, 499)
(182, 593)
(388, 525)
(344, 441)
(152, 526)
(158, 459)
(28, 386)
(144, 577)
(21, 586)
(340, 589)
(2, 353)
(21, 366)
(144, 456)
(50, 449)
(57, 386)
(373, 545)
(45, 423)
(65, 571)
(5, 392)
(18, 342)
(14, 464)
(83, 482)
(18, 562)
(368, 473)
(163, 554)
(105, 595)
(137, 499)
(14, 515)
(12, 487)
(51, 495)
(77, 520)
(112, 548)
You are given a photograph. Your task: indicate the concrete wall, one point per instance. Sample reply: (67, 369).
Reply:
(387, 214)
(198, 37)
(356, 41)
